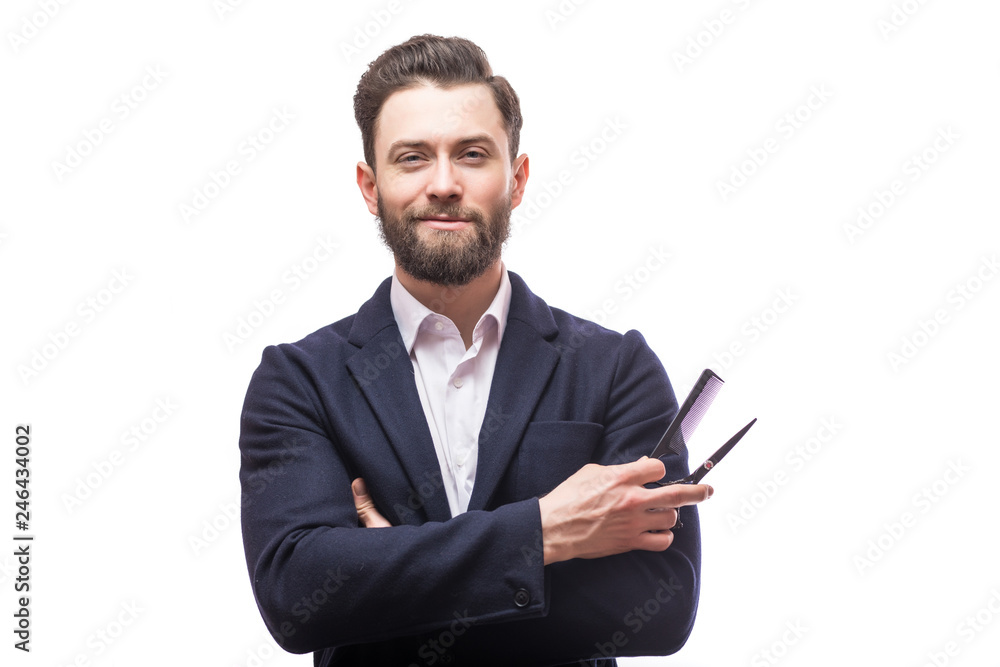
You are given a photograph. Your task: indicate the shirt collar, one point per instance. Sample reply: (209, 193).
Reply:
(410, 313)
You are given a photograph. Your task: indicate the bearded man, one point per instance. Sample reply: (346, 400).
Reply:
(456, 473)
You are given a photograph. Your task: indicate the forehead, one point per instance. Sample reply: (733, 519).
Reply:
(433, 114)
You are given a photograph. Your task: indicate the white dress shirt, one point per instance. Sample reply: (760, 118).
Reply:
(453, 382)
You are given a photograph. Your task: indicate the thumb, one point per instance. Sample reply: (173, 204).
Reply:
(646, 470)
(365, 506)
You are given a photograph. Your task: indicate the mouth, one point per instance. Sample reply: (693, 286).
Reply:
(445, 222)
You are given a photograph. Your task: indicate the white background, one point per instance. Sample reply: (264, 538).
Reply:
(818, 544)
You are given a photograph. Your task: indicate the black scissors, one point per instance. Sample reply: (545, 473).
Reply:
(712, 460)
(674, 440)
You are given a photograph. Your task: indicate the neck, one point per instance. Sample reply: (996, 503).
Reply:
(464, 304)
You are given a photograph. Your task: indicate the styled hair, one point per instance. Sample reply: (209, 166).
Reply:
(434, 60)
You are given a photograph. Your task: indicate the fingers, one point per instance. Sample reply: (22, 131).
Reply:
(363, 503)
(680, 495)
(663, 519)
(644, 471)
(677, 495)
(659, 541)
(672, 498)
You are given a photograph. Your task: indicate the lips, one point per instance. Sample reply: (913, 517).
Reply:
(445, 223)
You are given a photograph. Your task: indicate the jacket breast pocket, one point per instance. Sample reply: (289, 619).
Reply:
(550, 452)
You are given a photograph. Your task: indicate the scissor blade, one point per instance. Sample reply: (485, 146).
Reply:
(714, 459)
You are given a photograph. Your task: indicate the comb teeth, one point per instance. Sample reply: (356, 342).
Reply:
(701, 404)
(690, 415)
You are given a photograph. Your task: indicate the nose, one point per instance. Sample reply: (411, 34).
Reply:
(444, 184)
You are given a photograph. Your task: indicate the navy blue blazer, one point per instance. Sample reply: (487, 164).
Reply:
(436, 589)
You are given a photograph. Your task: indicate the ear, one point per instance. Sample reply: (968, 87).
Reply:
(369, 189)
(519, 178)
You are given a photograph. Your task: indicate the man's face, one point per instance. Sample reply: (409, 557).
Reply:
(445, 185)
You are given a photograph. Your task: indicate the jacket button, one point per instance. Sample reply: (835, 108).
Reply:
(521, 598)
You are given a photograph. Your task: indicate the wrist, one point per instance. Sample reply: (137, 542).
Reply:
(554, 550)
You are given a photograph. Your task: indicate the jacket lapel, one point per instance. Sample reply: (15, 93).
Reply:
(384, 372)
(525, 362)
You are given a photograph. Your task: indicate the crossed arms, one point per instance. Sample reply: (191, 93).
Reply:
(550, 574)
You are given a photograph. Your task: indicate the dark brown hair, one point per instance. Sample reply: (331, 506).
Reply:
(429, 59)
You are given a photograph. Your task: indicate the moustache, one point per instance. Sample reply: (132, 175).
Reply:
(472, 215)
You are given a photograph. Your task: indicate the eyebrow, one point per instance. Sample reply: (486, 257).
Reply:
(417, 143)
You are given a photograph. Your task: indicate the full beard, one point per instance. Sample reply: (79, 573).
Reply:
(445, 257)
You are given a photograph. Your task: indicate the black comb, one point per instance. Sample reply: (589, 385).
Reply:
(675, 440)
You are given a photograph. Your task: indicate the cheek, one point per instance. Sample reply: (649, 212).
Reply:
(400, 192)
(488, 189)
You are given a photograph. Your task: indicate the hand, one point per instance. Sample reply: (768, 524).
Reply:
(369, 516)
(605, 510)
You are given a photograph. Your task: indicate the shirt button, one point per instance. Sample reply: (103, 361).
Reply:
(458, 382)
(438, 326)
(521, 598)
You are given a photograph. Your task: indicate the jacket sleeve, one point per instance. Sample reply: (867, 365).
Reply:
(318, 578)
